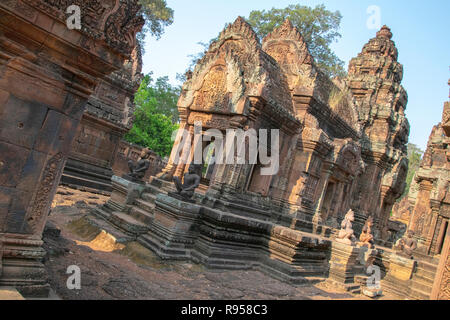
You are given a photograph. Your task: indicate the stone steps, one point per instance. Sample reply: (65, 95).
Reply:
(424, 276)
(157, 187)
(145, 205)
(76, 180)
(431, 267)
(149, 196)
(127, 223)
(141, 215)
(425, 287)
(423, 279)
(101, 212)
(419, 294)
(155, 244)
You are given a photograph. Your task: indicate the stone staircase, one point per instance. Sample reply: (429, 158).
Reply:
(423, 279)
(134, 220)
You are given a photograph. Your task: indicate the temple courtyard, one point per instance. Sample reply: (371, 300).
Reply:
(113, 271)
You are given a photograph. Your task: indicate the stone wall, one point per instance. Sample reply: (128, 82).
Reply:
(108, 116)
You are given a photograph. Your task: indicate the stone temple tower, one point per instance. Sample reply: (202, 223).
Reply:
(374, 78)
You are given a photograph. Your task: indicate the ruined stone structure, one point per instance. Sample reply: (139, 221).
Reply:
(342, 146)
(431, 213)
(340, 140)
(431, 197)
(107, 118)
(47, 74)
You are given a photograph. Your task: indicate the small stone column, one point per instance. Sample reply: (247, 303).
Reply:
(342, 265)
(317, 219)
(435, 207)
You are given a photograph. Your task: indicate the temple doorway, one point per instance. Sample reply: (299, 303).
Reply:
(327, 199)
(442, 236)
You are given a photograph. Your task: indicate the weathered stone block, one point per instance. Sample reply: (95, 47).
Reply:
(21, 122)
(12, 161)
(343, 260)
(401, 268)
(32, 171)
(56, 134)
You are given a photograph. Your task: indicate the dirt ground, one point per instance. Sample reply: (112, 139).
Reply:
(115, 271)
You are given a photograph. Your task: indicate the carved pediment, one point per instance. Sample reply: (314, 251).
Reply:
(234, 68)
(115, 21)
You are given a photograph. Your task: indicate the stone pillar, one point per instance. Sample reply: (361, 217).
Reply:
(435, 206)
(419, 215)
(181, 166)
(342, 264)
(317, 219)
(169, 171)
(47, 73)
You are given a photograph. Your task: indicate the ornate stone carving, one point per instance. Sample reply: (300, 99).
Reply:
(366, 237)
(346, 234)
(40, 203)
(114, 21)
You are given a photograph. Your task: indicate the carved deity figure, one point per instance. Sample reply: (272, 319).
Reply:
(140, 167)
(406, 245)
(366, 237)
(190, 182)
(346, 234)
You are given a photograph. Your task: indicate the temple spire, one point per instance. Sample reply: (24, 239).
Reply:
(385, 32)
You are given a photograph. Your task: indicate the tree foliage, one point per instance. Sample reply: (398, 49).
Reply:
(155, 118)
(157, 16)
(318, 26)
(414, 157)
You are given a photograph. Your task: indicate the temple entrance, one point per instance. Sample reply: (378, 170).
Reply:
(259, 183)
(209, 162)
(442, 236)
(327, 200)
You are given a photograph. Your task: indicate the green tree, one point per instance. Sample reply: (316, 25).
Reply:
(154, 118)
(414, 157)
(318, 26)
(157, 16)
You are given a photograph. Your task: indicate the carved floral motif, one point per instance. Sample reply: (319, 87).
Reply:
(42, 198)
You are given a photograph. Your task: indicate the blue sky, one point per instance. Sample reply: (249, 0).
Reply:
(420, 31)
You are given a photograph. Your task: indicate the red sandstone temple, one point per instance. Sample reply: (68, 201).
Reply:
(66, 101)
